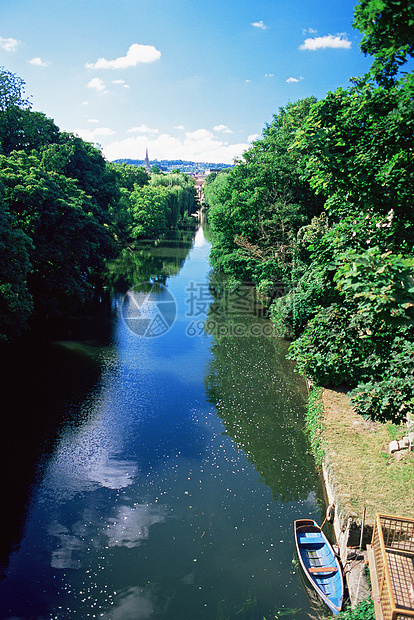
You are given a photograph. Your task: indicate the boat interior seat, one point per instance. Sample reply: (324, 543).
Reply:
(310, 541)
(322, 569)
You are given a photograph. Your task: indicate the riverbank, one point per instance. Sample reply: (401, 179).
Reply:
(362, 473)
(362, 478)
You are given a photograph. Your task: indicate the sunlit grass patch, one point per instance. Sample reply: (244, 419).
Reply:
(357, 452)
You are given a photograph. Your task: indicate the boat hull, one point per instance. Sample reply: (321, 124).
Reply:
(319, 563)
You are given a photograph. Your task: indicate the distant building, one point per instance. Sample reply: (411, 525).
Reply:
(146, 161)
(200, 178)
(210, 170)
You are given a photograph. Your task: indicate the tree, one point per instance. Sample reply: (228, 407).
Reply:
(11, 91)
(388, 28)
(69, 244)
(359, 330)
(81, 161)
(21, 129)
(149, 207)
(16, 303)
(357, 143)
(350, 269)
(128, 175)
(182, 195)
(258, 207)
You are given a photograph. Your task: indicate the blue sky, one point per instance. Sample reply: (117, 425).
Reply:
(189, 80)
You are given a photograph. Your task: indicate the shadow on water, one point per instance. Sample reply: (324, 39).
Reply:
(35, 379)
(243, 380)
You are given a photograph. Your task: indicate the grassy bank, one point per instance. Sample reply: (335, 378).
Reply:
(356, 452)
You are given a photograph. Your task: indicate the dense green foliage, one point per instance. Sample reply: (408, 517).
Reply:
(363, 611)
(69, 242)
(257, 209)
(65, 210)
(314, 417)
(388, 28)
(319, 215)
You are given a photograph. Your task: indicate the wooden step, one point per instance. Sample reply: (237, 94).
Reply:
(322, 569)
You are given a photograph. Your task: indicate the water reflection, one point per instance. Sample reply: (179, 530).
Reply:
(151, 505)
(259, 399)
(150, 260)
(128, 527)
(135, 603)
(131, 524)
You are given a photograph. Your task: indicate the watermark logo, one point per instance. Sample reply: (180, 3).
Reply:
(149, 310)
(235, 313)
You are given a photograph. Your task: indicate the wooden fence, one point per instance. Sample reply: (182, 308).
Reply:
(391, 564)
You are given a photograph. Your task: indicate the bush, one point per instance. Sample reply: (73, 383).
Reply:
(332, 350)
(363, 611)
(390, 399)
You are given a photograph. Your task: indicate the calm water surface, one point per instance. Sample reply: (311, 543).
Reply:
(155, 477)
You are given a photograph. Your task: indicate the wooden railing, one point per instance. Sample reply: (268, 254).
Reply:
(391, 558)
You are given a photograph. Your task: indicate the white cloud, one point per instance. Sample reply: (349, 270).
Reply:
(90, 135)
(253, 137)
(293, 80)
(259, 25)
(104, 131)
(310, 30)
(222, 128)
(10, 45)
(136, 54)
(120, 83)
(247, 81)
(93, 120)
(38, 62)
(142, 129)
(200, 145)
(97, 84)
(269, 75)
(199, 134)
(329, 40)
(179, 127)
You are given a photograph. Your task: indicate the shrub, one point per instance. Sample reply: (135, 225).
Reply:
(363, 611)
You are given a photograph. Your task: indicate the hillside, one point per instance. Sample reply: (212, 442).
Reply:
(167, 165)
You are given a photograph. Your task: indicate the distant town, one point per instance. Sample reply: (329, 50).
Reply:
(167, 165)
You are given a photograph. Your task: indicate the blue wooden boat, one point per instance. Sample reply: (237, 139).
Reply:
(319, 563)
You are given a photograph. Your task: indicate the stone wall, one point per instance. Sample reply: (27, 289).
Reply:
(347, 528)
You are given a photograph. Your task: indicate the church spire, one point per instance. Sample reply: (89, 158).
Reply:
(146, 161)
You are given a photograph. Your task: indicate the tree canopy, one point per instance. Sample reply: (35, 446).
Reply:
(257, 209)
(388, 29)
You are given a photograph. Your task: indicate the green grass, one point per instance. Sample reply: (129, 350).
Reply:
(314, 420)
(395, 431)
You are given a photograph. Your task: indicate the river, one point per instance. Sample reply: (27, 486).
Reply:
(153, 460)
